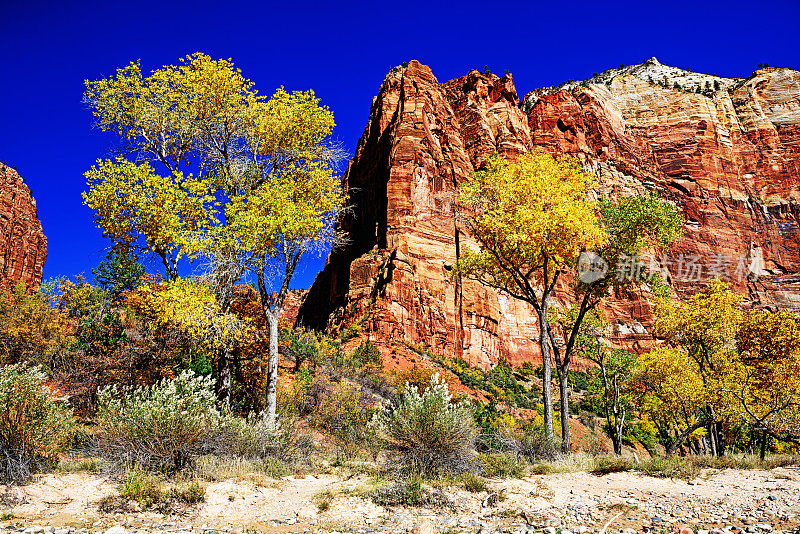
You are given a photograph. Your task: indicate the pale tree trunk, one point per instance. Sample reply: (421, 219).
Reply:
(272, 367)
(563, 385)
(547, 394)
(225, 384)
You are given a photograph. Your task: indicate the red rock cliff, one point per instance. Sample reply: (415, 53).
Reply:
(726, 151)
(23, 245)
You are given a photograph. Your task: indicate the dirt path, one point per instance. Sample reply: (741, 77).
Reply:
(580, 502)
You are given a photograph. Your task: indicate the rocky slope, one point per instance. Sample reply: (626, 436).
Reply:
(726, 151)
(23, 245)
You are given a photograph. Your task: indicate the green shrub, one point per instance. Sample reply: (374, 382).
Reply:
(473, 483)
(33, 428)
(409, 492)
(147, 489)
(344, 416)
(367, 355)
(163, 425)
(139, 486)
(190, 493)
(604, 465)
(504, 465)
(349, 332)
(427, 434)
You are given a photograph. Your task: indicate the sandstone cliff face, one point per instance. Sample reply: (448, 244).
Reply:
(727, 156)
(23, 245)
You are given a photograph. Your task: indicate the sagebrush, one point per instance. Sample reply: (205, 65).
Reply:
(426, 433)
(170, 423)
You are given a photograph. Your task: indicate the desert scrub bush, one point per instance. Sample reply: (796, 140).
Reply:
(256, 437)
(167, 425)
(473, 483)
(528, 440)
(780, 460)
(78, 465)
(504, 465)
(410, 492)
(191, 492)
(34, 428)
(140, 486)
(160, 426)
(427, 434)
(345, 417)
(604, 465)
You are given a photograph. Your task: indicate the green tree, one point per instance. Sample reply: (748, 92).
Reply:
(614, 387)
(118, 272)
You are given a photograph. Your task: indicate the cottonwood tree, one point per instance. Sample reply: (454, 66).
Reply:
(616, 386)
(531, 220)
(725, 365)
(211, 169)
(702, 333)
(764, 381)
(634, 224)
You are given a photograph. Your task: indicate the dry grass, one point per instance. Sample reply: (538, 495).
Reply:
(260, 472)
(603, 465)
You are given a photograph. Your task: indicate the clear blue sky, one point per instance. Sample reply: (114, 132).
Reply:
(341, 50)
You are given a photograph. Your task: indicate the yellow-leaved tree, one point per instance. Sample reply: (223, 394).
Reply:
(214, 170)
(532, 219)
(702, 331)
(763, 385)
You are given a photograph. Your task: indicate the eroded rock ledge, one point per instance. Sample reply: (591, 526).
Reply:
(728, 156)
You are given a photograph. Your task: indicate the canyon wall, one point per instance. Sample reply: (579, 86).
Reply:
(726, 151)
(23, 245)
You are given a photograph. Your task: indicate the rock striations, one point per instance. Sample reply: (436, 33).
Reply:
(23, 245)
(726, 151)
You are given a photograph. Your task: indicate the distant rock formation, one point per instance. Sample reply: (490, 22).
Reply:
(726, 151)
(23, 245)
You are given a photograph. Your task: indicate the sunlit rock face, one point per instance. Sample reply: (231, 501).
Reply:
(724, 150)
(23, 245)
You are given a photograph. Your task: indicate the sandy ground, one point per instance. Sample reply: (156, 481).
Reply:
(569, 500)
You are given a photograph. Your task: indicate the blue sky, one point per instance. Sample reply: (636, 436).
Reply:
(342, 51)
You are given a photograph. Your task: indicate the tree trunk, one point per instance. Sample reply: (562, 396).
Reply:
(225, 384)
(719, 435)
(682, 437)
(763, 452)
(547, 394)
(712, 439)
(272, 367)
(617, 441)
(563, 386)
